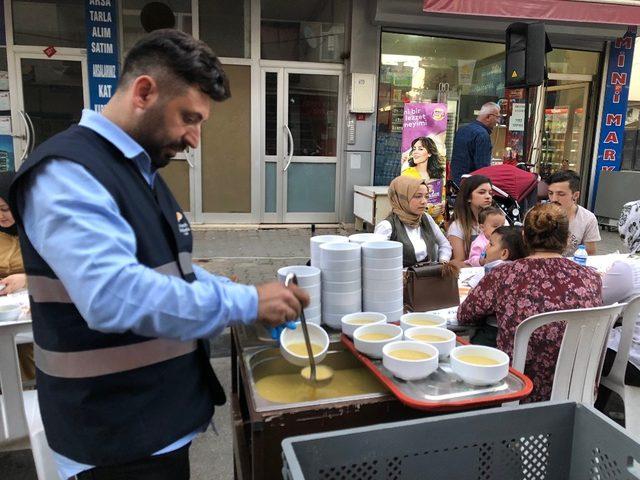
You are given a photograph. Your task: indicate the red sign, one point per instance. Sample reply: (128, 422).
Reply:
(50, 51)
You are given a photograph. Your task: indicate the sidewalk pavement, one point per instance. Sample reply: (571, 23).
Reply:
(254, 256)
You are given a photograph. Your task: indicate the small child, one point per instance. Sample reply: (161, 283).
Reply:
(489, 218)
(505, 245)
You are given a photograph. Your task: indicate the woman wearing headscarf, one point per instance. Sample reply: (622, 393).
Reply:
(12, 276)
(619, 284)
(12, 273)
(407, 223)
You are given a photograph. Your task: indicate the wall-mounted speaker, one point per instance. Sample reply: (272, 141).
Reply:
(527, 46)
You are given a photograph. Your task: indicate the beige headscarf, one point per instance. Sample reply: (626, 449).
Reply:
(401, 191)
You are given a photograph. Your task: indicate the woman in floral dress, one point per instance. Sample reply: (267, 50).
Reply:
(542, 282)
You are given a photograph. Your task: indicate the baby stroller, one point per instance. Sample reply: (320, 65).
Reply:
(515, 190)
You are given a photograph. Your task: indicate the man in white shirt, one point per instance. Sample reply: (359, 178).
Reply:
(564, 190)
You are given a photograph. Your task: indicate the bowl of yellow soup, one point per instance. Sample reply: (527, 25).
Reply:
(441, 338)
(421, 319)
(369, 339)
(294, 350)
(410, 360)
(353, 321)
(479, 365)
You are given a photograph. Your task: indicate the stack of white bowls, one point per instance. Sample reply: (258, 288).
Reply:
(309, 281)
(382, 278)
(315, 242)
(341, 281)
(366, 237)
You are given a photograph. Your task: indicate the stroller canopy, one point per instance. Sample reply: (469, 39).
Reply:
(515, 182)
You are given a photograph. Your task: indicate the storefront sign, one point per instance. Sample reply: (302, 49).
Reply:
(102, 51)
(516, 120)
(614, 112)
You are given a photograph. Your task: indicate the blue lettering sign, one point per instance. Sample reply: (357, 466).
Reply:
(102, 51)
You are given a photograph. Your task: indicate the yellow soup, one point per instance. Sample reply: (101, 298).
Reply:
(423, 322)
(301, 349)
(375, 337)
(360, 321)
(291, 387)
(409, 355)
(425, 337)
(477, 360)
(322, 372)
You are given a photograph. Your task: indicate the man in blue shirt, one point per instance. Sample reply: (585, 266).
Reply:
(119, 310)
(472, 143)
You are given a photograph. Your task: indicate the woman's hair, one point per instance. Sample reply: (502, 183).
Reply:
(486, 211)
(546, 227)
(462, 209)
(435, 169)
(511, 239)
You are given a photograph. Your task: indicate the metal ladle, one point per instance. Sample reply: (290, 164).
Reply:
(310, 373)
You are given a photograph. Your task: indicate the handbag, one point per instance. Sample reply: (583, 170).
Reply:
(431, 286)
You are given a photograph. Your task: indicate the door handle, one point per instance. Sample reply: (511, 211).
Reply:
(33, 132)
(291, 149)
(26, 136)
(187, 156)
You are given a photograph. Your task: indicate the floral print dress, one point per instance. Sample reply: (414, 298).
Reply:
(517, 290)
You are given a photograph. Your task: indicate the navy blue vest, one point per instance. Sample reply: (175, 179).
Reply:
(128, 413)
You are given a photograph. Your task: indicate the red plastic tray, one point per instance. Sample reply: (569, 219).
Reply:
(449, 405)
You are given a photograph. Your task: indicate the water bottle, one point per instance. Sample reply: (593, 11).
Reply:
(580, 256)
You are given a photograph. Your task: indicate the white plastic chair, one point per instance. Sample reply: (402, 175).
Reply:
(20, 422)
(614, 381)
(581, 352)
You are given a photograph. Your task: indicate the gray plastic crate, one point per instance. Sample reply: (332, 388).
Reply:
(543, 441)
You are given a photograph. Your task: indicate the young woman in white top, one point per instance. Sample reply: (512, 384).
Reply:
(619, 284)
(408, 223)
(475, 194)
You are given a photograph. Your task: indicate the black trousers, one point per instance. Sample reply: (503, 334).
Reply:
(169, 466)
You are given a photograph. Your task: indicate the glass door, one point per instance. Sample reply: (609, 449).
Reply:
(563, 127)
(51, 95)
(300, 125)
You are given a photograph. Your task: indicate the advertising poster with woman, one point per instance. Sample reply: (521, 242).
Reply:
(423, 150)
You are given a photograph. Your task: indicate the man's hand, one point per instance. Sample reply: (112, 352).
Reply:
(13, 283)
(278, 304)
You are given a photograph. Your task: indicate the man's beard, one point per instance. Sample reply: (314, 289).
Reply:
(150, 134)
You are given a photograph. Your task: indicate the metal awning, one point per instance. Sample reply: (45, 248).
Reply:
(409, 16)
(621, 12)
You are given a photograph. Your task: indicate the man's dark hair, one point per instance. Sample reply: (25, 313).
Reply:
(173, 58)
(511, 239)
(566, 176)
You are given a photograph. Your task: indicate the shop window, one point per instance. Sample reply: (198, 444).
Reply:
(465, 74)
(413, 68)
(573, 62)
(310, 31)
(142, 16)
(225, 25)
(45, 23)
